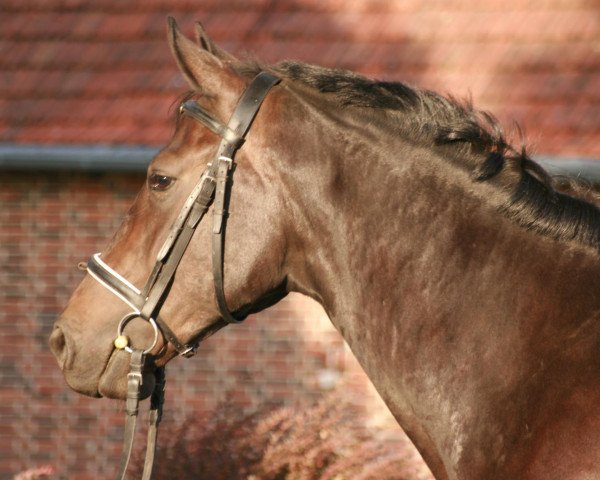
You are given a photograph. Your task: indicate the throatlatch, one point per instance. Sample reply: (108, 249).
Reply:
(213, 187)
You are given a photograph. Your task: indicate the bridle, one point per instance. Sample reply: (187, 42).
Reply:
(213, 187)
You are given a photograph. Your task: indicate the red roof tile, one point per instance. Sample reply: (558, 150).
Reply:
(84, 72)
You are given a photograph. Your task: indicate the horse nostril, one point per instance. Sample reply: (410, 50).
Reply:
(58, 345)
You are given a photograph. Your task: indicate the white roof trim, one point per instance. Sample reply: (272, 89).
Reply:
(105, 158)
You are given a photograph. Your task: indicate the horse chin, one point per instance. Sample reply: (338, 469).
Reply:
(88, 391)
(113, 381)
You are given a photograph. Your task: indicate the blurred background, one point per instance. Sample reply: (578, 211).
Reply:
(85, 92)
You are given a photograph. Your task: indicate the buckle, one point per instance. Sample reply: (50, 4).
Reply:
(135, 375)
(227, 160)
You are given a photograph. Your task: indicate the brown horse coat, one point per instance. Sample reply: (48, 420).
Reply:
(465, 284)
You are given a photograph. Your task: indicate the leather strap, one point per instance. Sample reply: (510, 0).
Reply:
(215, 177)
(134, 383)
(240, 122)
(154, 417)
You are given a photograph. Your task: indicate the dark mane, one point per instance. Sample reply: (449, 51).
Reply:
(534, 200)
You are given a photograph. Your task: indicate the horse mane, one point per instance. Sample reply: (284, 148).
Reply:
(563, 209)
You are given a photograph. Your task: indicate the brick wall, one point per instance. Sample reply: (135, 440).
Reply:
(51, 221)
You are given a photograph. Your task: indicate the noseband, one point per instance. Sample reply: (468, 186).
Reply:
(213, 187)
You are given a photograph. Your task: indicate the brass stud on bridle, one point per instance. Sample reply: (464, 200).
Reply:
(121, 342)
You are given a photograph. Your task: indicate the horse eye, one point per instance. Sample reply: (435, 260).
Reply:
(159, 182)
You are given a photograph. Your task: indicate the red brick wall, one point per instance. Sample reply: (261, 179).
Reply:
(51, 221)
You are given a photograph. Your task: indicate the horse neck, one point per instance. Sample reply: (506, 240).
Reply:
(448, 305)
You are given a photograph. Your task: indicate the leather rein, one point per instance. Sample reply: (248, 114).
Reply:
(213, 187)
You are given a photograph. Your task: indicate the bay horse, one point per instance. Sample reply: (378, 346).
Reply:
(465, 283)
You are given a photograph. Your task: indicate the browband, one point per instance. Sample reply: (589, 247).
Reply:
(192, 109)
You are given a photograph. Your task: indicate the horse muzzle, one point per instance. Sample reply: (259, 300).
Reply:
(98, 369)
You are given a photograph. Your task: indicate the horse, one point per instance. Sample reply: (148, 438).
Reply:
(464, 279)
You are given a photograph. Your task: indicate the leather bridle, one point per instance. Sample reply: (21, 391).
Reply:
(213, 187)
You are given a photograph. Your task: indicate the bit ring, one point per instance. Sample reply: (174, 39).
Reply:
(131, 316)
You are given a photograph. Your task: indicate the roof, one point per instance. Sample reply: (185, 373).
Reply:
(80, 72)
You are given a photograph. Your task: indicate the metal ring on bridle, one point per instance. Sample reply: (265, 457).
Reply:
(131, 316)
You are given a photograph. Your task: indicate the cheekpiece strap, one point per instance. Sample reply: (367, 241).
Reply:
(222, 169)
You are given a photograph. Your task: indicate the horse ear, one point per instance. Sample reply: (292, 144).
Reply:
(200, 66)
(207, 44)
(203, 40)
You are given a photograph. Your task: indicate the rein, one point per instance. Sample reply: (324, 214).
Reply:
(213, 187)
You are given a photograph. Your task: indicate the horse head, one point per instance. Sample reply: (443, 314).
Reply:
(83, 337)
